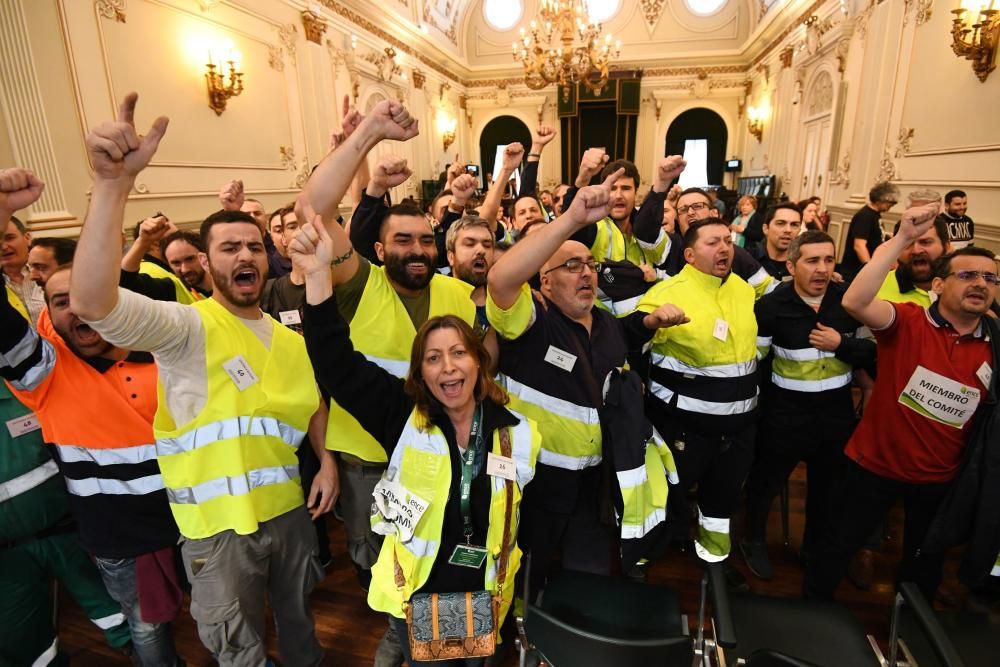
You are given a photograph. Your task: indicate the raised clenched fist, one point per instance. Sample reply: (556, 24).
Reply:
(19, 188)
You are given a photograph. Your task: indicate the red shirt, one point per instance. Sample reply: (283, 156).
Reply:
(898, 440)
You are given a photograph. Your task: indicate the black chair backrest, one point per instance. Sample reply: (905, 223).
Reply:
(563, 645)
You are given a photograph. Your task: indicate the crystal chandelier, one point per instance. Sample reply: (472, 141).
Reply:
(562, 46)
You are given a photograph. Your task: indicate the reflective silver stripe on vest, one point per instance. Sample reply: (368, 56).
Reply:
(556, 406)
(420, 548)
(31, 380)
(629, 479)
(48, 655)
(622, 307)
(399, 368)
(107, 457)
(18, 354)
(721, 371)
(91, 486)
(28, 481)
(239, 485)
(760, 276)
(108, 622)
(551, 458)
(689, 404)
(233, 427)
(634, 532)
(812, 386)
(802, 354)
(652, 246)
(764, 341)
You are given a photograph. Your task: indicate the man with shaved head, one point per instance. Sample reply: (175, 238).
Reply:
(556, 350)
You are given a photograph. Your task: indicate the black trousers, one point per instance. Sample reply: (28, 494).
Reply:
(576, 532)
(862, 503)
(718, 466)
(783, 440)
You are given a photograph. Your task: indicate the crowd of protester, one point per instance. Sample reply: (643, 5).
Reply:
(184, 411)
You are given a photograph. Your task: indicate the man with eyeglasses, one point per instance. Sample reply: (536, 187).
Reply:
(556, 348)
(934, 371)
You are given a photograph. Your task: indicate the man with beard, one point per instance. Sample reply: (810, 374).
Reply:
(781, 225)
(961, 229)
(48, 254)
(934, 369)
(557, 348)
(146, 257)
(912, 279)
(808, 415)
(237, 402)
(95, 403)
(703, 379)
(470, 256)
(183, 251)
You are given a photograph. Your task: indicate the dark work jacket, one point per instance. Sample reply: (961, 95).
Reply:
(625, 432)
(970, 513)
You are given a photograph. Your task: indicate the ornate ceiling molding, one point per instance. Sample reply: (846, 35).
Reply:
(651, 11)
(401, 46)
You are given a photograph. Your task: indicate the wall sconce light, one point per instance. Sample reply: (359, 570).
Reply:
(219, 91)
(975, 32)
(446, 126)
(755, 121)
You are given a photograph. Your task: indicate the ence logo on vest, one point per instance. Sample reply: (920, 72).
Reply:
(939, 398)
(399, 507)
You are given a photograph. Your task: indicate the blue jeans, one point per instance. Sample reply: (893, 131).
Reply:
(152, 643)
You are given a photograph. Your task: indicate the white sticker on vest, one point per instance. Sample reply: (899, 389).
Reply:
(18, 426)
(985, 374)
(939, 398)
(399, 507)
(721, 329)
(240, 372)
(560, 358)
(500, 466)
(290, 317)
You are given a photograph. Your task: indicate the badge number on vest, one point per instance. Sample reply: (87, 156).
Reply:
(939, 398)
(721, 329)
(18, 426)
(290, 317)
(500, 466)
(399, 507)
(240, 372)
(560, 358)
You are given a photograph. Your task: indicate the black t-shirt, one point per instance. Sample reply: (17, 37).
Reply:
(866, 224)
(961, 230)
(281, 295)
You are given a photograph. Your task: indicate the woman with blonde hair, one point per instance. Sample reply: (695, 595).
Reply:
(459, 460)
(747, 226)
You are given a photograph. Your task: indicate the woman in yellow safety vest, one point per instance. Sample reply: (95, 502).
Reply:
(442, 503)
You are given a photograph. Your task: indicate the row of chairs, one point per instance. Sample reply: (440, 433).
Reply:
(585, 620)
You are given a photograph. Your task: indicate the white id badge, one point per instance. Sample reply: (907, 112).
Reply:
(290, 317)
(500, 466)
(721, 329)
(18, 426)
(240, 373)
(985, 374)
(560, 358)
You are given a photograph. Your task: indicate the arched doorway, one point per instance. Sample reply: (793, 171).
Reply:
(500, 131)
(705, 125)
(815, 138)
